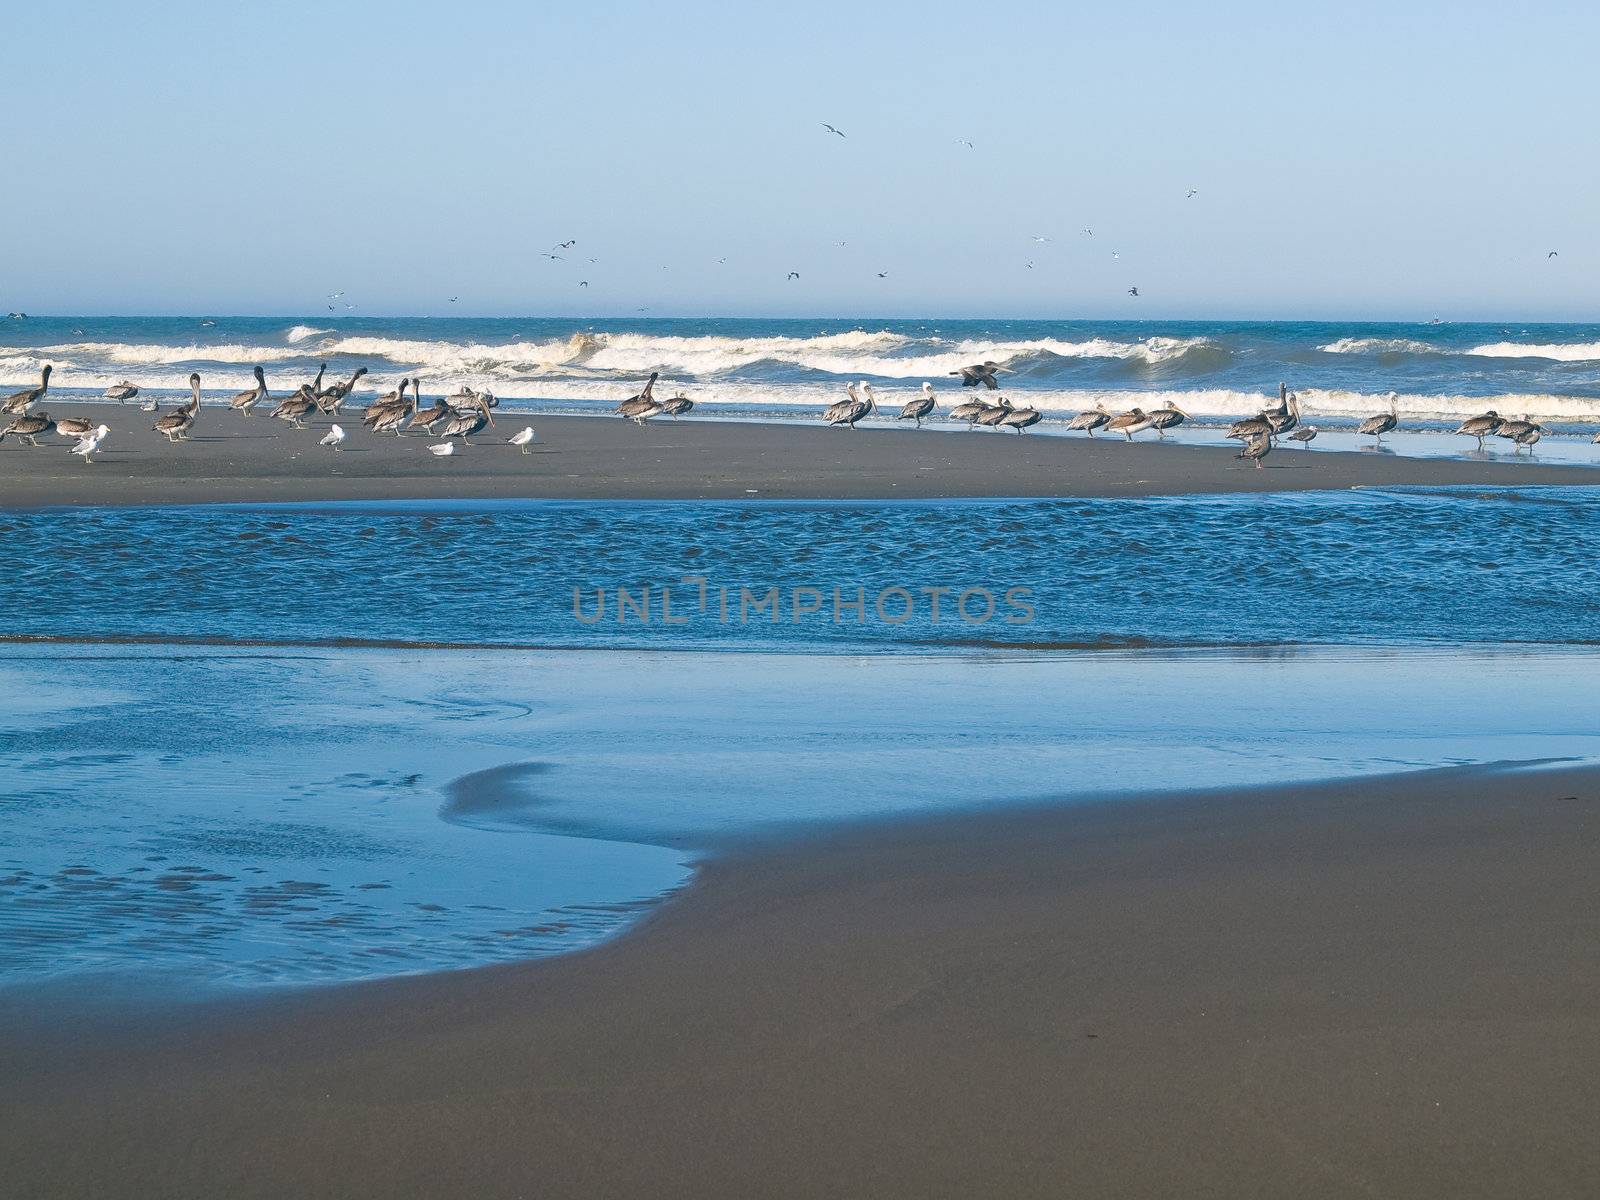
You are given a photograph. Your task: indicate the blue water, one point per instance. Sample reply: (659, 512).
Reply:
(1390, 567)
(783, 367)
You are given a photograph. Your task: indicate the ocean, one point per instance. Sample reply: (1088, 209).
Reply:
(786, 368)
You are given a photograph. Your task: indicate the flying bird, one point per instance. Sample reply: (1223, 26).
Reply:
(831, 129)
(1191, 193)
(964, 142)
(1134, 292)
(583, 283)
(453, 299)
(794, 274)
(1039, 238)
(567, 245)
(1552, 254)
(553, 257)
(883, 274)
(1087, 232)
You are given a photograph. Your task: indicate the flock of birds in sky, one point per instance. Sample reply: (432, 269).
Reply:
(457, 417)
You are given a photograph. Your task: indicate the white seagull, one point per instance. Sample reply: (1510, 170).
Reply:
(88, 445)
(521, 440)
(333, 437)
(442, 449)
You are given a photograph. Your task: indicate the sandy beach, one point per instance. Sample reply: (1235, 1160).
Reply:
(245, 459)
(1383, 988)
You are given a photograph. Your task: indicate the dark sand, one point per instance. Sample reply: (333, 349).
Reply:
(236, 458)
(1386, 988)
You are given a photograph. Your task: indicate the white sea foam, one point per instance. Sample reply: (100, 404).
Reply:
(1558, 351)
(1371, 345)
(301, 333)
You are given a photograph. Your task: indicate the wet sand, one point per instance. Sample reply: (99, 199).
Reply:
(237, 458)
(1378, 988)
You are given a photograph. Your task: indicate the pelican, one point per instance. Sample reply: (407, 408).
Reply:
(32, 428)
(392, 418)
(968, 411)
(442, 449)
(993, 414)
(74, 427)
(1510, 429)
(848, 411)
(90, 443)
(427, 418)
(1283, 421)
(464, 424)
(331, 400)
(1482, 426)
(334, 437)
(1091, 420)
(121, 392)
(1257, 449)
(1168, 416)
(177, 423)
(1382, 423)
(1250, 427)
(20, 402)
(296, 408)
(1129, 423)
(1304, 435)
(1527, 437)
(522, 439)
(642, 407)
(922, 406)
(980, 373)
(676, 406)
(1282, 407)
(1020, 418)
(247, 400)
(385, 403)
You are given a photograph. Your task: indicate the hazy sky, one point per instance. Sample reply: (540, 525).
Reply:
(1380, 160)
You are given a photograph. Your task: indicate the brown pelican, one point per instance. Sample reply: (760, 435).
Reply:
(1091, 420)
(20, 402)
(1168, 416)
(922, 406)
(1284, 420)
(385, 402)
(1304, 435)
(1250, 427)
(121, 392)
(851, 410)
(1281, 409)
(1129, 423)
(993, 414)
(1382, 423)
(74, 427)
(426, 418)
(642, 407)
(333, 399)
(245, 401)
(676, 406)
(980, 373)
(90, 442)
(968, 411)
(32, 428)
(1020, 418)
(464, 424)
(1481, 427)
(1257, 448)
(296, 408)
(177, 423)
(392, 418)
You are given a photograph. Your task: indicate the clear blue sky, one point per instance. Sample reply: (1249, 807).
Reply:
(1359, 159)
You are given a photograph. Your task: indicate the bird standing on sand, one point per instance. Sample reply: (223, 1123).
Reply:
(442, 449)
(464, 424)
(90, 443)
(1382, 423)
(74, 427)
(968, 411)
(1257, 449)
(980, 373)
(642, 407)
(149, 405)
(1129, 423)
(858, 404)
(675, 406)
(334, 437)
(20, 402)
(1482, 426)
(1020, 418)
(426, 418)
(31, 428)
(247, 400)
(522, 439)
(177, 423)
(1168, 416)
(993, 414)
(1527, 437)
(1091, 420)
(296, 408)
(121, 392)
(1304, 435)
(334, 397)
(923, 406)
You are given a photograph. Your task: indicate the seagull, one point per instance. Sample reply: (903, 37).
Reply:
(87, 447)
(453, 299)
(1191, 193)
(566, 245)
(335, 295)
(554, 257)
(149, 404)
(1552, 254)
(1087, 232)
(831, 129)
(1114, 254)
(442, 449)
(521, 440)
(794, 274)
(1037, 238)
(1134, 292)
(333, 437)
(883, 274)
(964, 142)
(1030, 266)
(583, 283)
